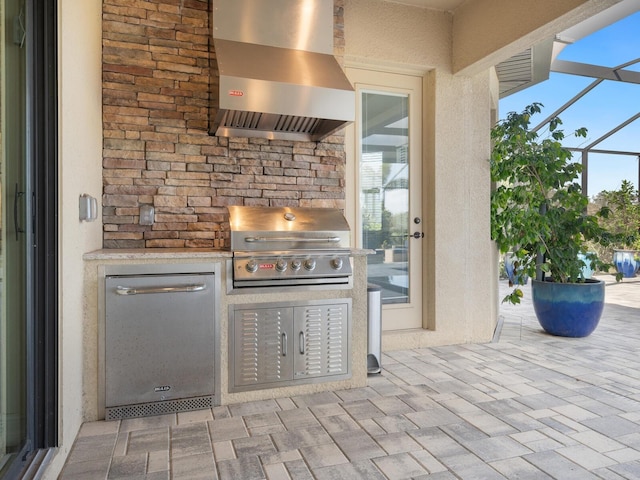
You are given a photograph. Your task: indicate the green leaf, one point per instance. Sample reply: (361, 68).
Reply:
(537, 208)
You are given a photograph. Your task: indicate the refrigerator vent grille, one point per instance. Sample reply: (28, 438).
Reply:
(158, 408)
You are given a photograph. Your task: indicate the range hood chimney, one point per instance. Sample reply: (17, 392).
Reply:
(278, 78)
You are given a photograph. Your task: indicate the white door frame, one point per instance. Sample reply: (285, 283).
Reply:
(399, 316)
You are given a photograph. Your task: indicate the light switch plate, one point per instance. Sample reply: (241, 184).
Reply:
(147, 214)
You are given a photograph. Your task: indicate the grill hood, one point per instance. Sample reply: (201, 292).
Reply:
(256, 228)
(278, 78)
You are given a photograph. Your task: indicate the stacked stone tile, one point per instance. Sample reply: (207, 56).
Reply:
(157, 82)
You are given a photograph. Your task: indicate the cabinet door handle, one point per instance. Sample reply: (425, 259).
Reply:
(284, 344)
(301, 338)
(172, 289)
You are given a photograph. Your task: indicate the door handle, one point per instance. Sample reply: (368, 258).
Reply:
(16, 221)
(173, 289)
(284, 344)
(301, 340)
(418, 235)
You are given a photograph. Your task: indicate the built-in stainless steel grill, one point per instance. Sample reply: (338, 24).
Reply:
(286, 246)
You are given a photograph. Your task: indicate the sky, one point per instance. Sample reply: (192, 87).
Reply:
(601, 110)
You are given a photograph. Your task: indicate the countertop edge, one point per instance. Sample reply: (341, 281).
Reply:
(160, 253)
(155, 253)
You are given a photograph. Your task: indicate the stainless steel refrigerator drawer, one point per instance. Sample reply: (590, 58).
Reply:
(159, 335)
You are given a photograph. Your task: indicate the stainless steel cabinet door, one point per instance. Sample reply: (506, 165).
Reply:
(322, 340)
(262, 346)
(276, 345)
(159, 338)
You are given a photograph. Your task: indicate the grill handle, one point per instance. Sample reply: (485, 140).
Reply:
(292, 239)
(177, 289)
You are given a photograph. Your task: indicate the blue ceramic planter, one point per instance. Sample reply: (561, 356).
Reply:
(568, 309)
(625, 262)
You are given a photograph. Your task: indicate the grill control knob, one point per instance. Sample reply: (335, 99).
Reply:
(336, 263)
(309, 264)
(251, 266)
(281, 265)
(296, 264)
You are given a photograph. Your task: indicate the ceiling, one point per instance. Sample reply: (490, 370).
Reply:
(445, 5)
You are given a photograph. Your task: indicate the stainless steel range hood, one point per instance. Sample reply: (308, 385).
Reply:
(278, 78)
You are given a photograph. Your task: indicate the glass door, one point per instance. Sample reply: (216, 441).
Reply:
(388, 193)
(13, 238)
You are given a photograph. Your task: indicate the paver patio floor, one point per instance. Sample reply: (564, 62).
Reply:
(526, 406)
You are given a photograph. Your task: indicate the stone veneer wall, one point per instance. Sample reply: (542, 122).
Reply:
(157, 150)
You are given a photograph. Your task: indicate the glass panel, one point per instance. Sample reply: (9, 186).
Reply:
(13, 351)
(384, 192)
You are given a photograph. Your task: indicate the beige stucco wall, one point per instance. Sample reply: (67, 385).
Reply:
(80, 153)
(395, 36)
(459, 271)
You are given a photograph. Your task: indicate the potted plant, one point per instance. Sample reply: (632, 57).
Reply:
(539, 213)
(624, 220)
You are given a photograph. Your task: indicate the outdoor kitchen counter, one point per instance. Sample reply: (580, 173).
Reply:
(97, 262)
(173, 253)
(157, 253)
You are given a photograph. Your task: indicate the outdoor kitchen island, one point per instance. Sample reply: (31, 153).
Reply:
(100, 263)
